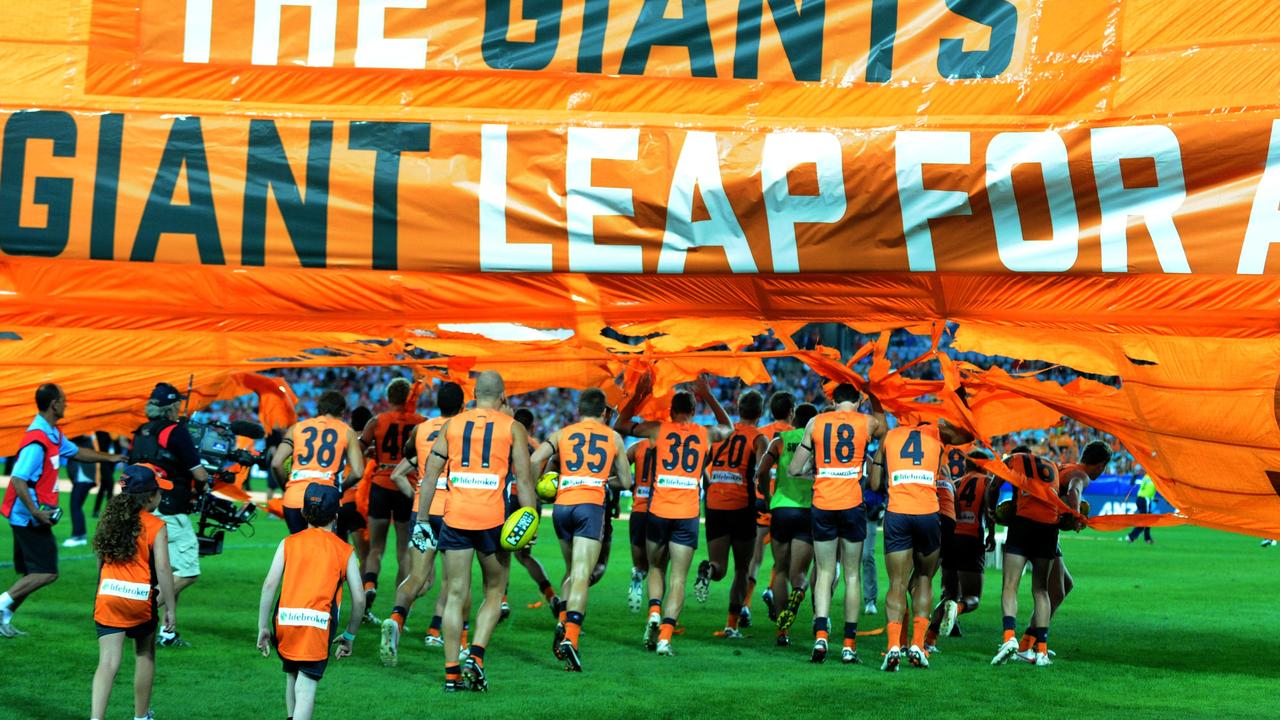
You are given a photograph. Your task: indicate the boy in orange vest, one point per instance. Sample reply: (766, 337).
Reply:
(308, 570)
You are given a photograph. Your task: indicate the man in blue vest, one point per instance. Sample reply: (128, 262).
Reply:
(31, 501)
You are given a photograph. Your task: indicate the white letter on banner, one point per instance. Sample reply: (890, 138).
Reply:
(496, 254)
(585, 202)
(266, 31)
(1046, 149)
(375, 50)
(912, 150)
(783, 151)
(1264, 217)
(699, 167)
(198, 27)
(1155, 205)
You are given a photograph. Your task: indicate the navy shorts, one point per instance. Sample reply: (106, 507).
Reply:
(35, 551)
(294, 521)
(485, 542)
(662, 531)
(967, 554)
(387, 504)
(584, 520)
(313, 669)
(948, 537)
(639, 521)
(849, 525)
(921, 533)
(137, 632)
(791, 524)
(349, 520)
(1032, 540)
(739, 525)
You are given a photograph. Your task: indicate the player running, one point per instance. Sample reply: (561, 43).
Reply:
(910, 460)
(308, 569)
(524, 555)
(683, 451)
(589, 452)
(1032, 537)
(642, 456)
(480, 446)
(318, 448)
(781, 408)
(731, 514)
(384, 439)
(790, 500)
(422, 550)
(964, 562)
(834, 448)
(1073, 479)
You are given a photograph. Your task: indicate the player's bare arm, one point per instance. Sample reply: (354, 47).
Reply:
(621, 463)
(521, 466)
(545, 451)
(876, 481)
(355, 461)
(435, 465)
(626, 425)
(766, 462)
(803, 457)
(724, 424)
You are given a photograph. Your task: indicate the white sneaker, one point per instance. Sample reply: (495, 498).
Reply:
(702, 583)
(433, 641)
(1007, 650)
(869, 609)
(75, 541)
(1042, 660)
(635, 593)
(949, 612)
(819, 655)
(9, 631)
(918, 657)
(931, 649)
(463, 654)
(849, 656)
(651, 629)
(891, 660)
(732, 633)
(1028, 655)
(664, 648)
(390, 642)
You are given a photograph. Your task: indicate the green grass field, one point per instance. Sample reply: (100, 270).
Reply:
(1179, 629)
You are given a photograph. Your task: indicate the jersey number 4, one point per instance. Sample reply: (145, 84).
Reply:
(394, 440)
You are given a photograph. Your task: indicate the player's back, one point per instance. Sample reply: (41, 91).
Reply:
(315, 565)
(646, 470)
(586, 450)
(839, 450)
(790, 491)
(1035, 469)
(683, 451)
(479, 459)
(733, 463)
(319, 450)
(424, 439)
(392, 431)
(912, 456)
(971, 490)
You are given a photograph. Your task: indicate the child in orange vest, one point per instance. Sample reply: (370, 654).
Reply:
(133, 561)
(308, 570)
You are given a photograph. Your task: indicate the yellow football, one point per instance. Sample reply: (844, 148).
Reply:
(520, 529)
(548, 485)
(1005, 512)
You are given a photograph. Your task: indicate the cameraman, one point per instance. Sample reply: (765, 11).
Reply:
(164, 441)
